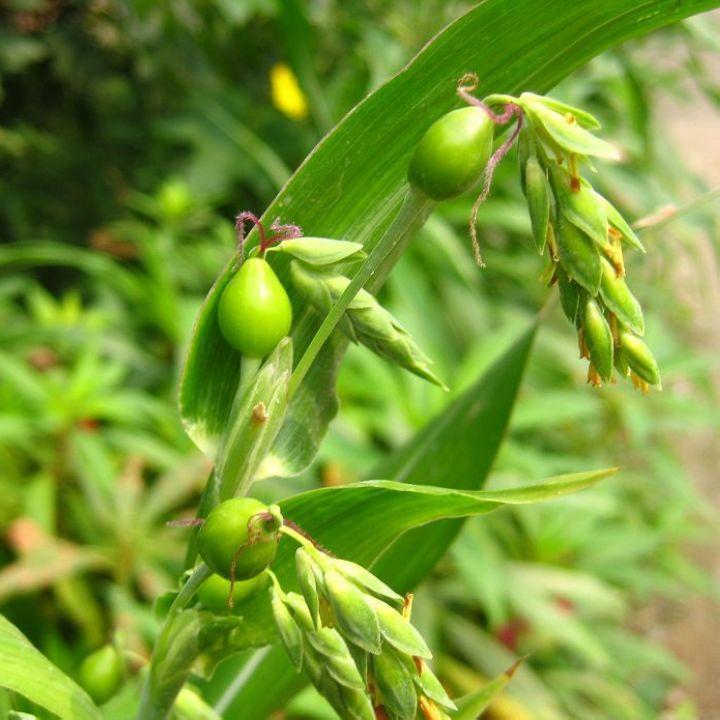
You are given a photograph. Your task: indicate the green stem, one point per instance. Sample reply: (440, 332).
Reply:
(296, 536)
(679, 212)
(212, 493)
(159, 692)
(412, 214)
(500, 100)
(248, 372)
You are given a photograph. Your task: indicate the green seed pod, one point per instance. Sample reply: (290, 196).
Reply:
(621, 363)
(101, 673)
(618, 298)
(355, 617)
(398, 631)
(584, 119)
(453, 153)
(640, 358)
(564, 130)
(581, 207)
(339, 663)
(214, 593)
(364, 579)
(350, 703)
(361, 659)
(365, 320)
(242, 531)
(304, 570)
(431, 687)
(620, 224)
(254, 311)
(570, 294)
(579, 257)
(537, 192)
(357, 704)
(599, 340)
(299, 609)
(323, 682)
(320, 251)
(290, 633)
(396, 685)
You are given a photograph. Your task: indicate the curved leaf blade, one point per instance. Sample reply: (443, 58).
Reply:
(26, 671)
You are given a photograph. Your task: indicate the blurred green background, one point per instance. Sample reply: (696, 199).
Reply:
(132, 132)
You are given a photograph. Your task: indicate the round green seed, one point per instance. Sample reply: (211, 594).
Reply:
(452, 155)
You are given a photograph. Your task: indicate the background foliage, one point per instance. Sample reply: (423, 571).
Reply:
(130, 133)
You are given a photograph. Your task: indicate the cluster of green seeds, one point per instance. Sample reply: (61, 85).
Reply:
(347, 629)
(581, 232)
(352, 635)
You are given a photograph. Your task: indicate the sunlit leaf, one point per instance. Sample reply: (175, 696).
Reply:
(24, 670)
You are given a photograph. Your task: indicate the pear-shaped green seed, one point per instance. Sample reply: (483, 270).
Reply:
(214, 593)
(254, 310)
(101, 673)
(239, 538)
(453, 153)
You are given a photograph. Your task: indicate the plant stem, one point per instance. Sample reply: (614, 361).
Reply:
(248, 372)
(157, 699)
(412, 214)
(297, 537)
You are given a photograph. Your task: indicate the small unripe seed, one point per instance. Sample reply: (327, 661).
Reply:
(617, 296)
(599, 340)
(640, 358)
(396, 684)
(290, 634)
(453, 153)
(537, 191)
(239, 538)
(214, 593)
(254, 310)
(579, 257)
(101, 673)
(570, 293)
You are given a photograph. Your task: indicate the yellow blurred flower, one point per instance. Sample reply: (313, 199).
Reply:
(286, 94)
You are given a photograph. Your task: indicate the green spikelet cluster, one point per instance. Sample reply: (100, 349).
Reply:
(352, 635)
(584, 235)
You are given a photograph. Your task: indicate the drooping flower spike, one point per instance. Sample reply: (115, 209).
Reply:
(579, 230)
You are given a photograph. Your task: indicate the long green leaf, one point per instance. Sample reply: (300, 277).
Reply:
(473, 705)
(26, 671)
(455, 450)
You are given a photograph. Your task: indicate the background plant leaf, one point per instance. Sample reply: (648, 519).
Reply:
(26, 671)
